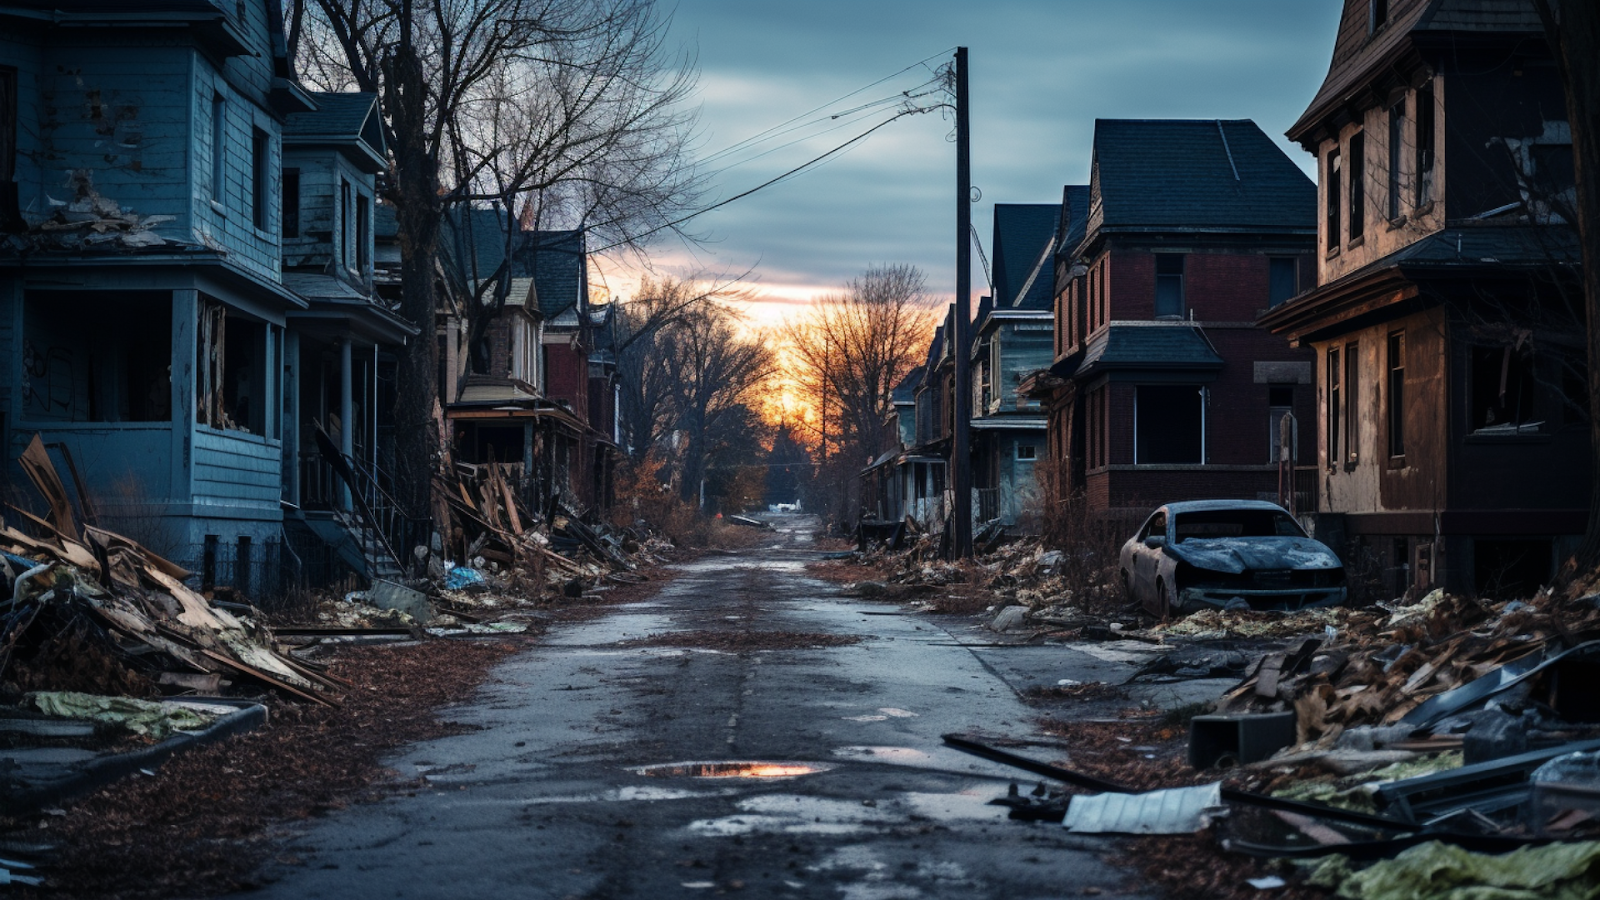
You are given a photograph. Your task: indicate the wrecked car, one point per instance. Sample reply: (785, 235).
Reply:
(1230, 554)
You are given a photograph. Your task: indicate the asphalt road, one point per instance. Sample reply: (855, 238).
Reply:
(545, 798)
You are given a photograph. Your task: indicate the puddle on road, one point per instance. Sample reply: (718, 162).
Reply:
(733, 769)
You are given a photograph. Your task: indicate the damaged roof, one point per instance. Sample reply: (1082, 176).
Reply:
(1195, 174)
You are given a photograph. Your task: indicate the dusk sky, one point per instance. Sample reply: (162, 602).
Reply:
(1041, 72)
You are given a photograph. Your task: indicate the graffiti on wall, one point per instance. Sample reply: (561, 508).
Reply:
(47, 379)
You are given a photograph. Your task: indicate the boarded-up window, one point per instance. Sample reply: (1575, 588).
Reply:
(1169, 425)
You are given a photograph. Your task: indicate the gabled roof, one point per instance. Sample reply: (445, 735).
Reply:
(347, 120)
(1148, 345)
(1195, 175)
(906, 391)
(1074, 216)
(1363, 55)
(1024, 248)
(559, 275)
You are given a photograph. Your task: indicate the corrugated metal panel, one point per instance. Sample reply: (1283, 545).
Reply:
(1172, 811)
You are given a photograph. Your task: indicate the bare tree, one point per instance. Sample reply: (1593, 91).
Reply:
(712, 365)
(850, 349)
(1573, 30)
(560, 107)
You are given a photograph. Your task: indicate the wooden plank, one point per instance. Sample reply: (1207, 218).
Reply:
(269, 679)
(36, 463)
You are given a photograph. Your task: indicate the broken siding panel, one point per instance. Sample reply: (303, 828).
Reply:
(129, 135)
(237, 470)
(1022, 352)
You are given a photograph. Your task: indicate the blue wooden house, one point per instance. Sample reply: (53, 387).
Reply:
(149, 327)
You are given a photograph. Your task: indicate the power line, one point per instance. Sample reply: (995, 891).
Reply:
(765, 184)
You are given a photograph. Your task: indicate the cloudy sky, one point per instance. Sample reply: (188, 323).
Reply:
(1041, 72)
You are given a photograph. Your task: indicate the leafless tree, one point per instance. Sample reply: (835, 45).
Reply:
(560, 110)
(1573, 30)
(712, 365)
(850, 349)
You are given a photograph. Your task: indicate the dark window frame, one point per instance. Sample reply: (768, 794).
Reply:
(1397, 140)
(1424, 145)
(289, 213)
(1279, 267)
(1377, 15)
(1396, 397)
(1356, 164)
(219, 135)
(1171, 283)
(1335, 200)
(10, 125)
(260, 157)
(1352, 403)
(1335, 400)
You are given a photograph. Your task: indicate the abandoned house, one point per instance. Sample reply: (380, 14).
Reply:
(1012, 337)
(517, 376)
(1163, 388)
(1446, 321)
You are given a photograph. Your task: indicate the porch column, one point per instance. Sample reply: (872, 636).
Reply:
(185, 369)
(346, 414)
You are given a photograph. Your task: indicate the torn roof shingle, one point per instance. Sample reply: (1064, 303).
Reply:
(1024, 241)
(1196, 174)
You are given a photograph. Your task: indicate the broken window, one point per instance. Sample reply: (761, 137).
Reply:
(231, 389)
(1397, 129)
(97, 357)
(1396, 398)
(1169, 425)
(1282, 281)
(1334, 199)
(1169, 285)
(1358, 185)
(260, 156)
(1424, 142)
(291, 203)
(1335, 405)
(1157, 525)
(1502, 390)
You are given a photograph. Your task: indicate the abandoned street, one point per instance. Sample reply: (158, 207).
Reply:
(544, 797)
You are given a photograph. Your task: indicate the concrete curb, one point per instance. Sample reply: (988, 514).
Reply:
(95, 774)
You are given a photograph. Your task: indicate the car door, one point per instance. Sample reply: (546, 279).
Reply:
(1146, 560)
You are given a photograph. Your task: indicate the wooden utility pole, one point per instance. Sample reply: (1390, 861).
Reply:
(960, 443)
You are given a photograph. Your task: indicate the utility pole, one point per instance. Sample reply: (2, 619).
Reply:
(960, 444)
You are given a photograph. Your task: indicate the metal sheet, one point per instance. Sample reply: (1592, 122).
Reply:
(1171, 811)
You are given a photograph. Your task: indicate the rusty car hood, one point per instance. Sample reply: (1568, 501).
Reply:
(1238, 555)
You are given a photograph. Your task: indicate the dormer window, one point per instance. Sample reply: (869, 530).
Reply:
(1377, 15)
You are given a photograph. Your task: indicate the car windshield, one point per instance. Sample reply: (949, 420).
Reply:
(1225, 523)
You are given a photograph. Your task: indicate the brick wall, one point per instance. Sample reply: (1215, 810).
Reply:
(569, 377)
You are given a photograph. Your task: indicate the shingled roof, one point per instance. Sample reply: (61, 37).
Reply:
(1366, 52)
(1149, 345)
(1024, 244)
(554, 260)
(1195, 174)
(340, 119)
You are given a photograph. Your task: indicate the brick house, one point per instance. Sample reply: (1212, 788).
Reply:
(1163, 388)
(1450, 377)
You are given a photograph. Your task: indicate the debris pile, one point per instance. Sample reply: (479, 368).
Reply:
(90, 220)
(90, 610)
